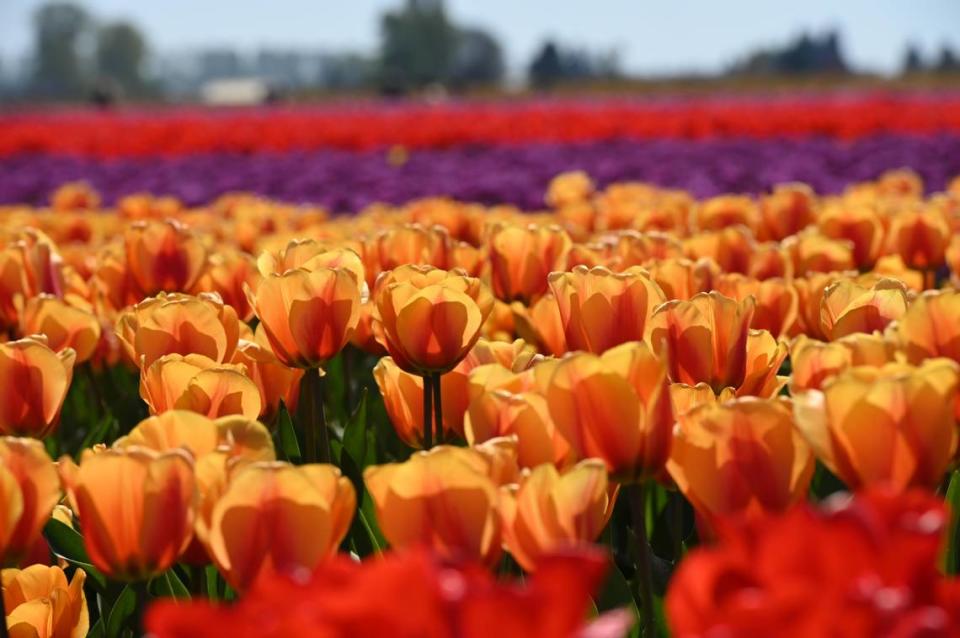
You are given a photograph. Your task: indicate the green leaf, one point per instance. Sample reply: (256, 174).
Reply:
(616, 594)
(289, 445)
(123, 609)
(96, 630)
(99, 433)
(355, 433)
(169, 584)
(66, 543)
(213, 582)
(952, 499)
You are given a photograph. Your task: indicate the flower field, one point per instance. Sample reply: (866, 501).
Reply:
(537, 369)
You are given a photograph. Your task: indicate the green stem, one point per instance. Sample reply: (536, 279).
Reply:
(638, 507)
(427, 410)
(198, 581)
(142, 596)
(324, 455)
(438, 409)
(306, 414)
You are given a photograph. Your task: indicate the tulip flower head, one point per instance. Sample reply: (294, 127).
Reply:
(36, 380)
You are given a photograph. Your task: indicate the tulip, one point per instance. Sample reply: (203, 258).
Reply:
(850, 307)
(685, 398)
(309, 255)
(443, 499)
(600, 309)
(308, 315)
(740, 458)
(74, 196)
(30, 489)
(37, 380)
(364, 337)
(787, 210)
(616, 407)
(39, 602)
(770, 260)
(814, 362)
(522, 257)
(409, 244)
(136, 507)
(920, 237)
(197, 383)
(428, 320)
(810, 290)
(681, 278)
(179, 324)
(163, 256)
(229, 272)
(890, 425)
(764, 354)
(572, 187)
(629, 248)
(63, 324)
(929, 327)
(279, 518)
(731, 248)
(705, 339)
(403, 399)
(777, 301)
(724, 211)
(550, 510)
(812, 252)
(541, 324)
(859, 224)
(277, 383)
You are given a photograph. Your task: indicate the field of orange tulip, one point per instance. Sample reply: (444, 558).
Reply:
(630, 413)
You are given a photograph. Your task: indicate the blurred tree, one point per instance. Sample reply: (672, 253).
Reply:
(59, 28)
(417, 45)
(121, 54)
(806, 54)
(546, 68)
(912, 60)
(948, 61)
(477, 59)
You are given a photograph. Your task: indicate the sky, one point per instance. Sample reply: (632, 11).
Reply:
(652, 37)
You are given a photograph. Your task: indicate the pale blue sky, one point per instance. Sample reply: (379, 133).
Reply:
(652, 36)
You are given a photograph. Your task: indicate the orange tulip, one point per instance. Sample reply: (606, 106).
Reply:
(685, 398)
(810, 290)
(522, 257)
(163, 256)
(409, 244)
(681, 278)
(601, 309)
(929, 328)
(742, 458)
(723, 211)
(615, 406)
(228, 273)
(429, 319)
(136, 507)
(39, 602)
(551, 511)
(787, 210)
(893, 267)
(814, 362)
(770, 260)
(731, 248)
(74, 196)
(813, 252)
(363, 337)
(277, 383)
(444, 499)
(403, 399)
(892, 425)
(628, 248)
(572, 187)
(777, 301)
(308, 316)
(179, 324)
(764, 355)
(37, 380)
(920, 237)
(199, 384)
(65, 325)
(28, 489)
(849, 306)
(541, 324)
(705, 339)
(309, 255)
(279, 518)
(859, 224)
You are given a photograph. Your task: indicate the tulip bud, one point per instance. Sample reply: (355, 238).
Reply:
(64, 325)
(279, 518)
(37, 380)
(743, 458)
(197, 383)
(616, 407)
(600, 309)
(893, 425)
(163, 256)
(136, 507)
(29, 489)
(444, 499)
(308, 316)
(849, 306)
(522, 257)
(552, 510)
(929, 328)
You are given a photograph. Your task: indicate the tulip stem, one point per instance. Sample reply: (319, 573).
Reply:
(324, 455)
(316, 437)
(638, 506)
(427, 410)
(438, 409)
